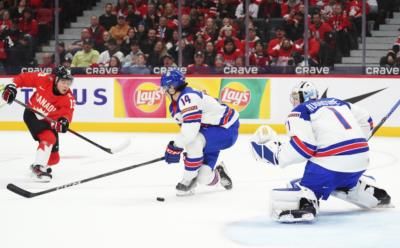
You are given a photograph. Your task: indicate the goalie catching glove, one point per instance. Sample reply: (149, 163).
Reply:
(9, 93)
(60, 126)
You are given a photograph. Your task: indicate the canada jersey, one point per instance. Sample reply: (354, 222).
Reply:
(327, 132)
(194, 109)
(43, 99)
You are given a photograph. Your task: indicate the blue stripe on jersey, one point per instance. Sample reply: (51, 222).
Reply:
(303, 148)
(264, 153)
(227, 116)
(340, 144)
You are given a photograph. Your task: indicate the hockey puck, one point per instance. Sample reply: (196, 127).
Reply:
(161, 199)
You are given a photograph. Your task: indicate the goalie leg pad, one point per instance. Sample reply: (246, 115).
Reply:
(295, 204)
(364, 194)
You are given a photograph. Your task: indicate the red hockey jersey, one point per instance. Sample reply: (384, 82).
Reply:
(43, 99)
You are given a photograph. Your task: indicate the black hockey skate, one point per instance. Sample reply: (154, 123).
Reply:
(41, 173)
(185, 187)
(225, 180)
(383, 198)
(306, 213)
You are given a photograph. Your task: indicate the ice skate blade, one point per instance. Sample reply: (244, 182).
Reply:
(184, 193)
(40, 179)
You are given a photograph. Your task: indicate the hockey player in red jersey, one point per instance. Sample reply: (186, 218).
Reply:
(54, 99)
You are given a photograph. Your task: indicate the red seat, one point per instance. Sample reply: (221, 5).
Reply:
(44, 16)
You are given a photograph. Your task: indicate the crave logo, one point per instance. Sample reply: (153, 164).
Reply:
(148, 97)
(236, 95)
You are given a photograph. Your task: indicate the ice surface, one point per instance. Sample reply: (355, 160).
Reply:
(122, 211)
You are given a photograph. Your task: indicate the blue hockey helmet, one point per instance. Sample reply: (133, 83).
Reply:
(303, 92)
(174, 78)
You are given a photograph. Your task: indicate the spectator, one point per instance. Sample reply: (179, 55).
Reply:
(47, 61)
(341, 26)
(199, 67)
(108, 19)
(119, 31)
(168, 61)
(219, 64)
(121, 8)
(96, 32)
(225, 9)
(230, 52)
(152, 17)
(209, 54)
(187, 51)
(115, 62)
(269, 9)
(280, 34)
(130, 59)
(259, 58)
(390, 60)
(253, 38)
(133, 17)
(5, 22)
(131, 36)
(17, 11)
(154, 58)
(28, 25)
(322, 32)
(112, 50)
(169, 13)
(86, 57)
(147, 45)
(163, 31)
(78, 44)
(138, 68)
(241, 10)
(225, 33)
(19, 55)
(313, 51)
(282, 53)
(210, 29)
(61, 52)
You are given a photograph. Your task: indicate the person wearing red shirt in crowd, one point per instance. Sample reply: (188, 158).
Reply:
(322, 32)
(342, 26)
(199, 67)
(253, 38)
(354, 11)
(28, 24)
(282, 53)
(230, 52)
(313, 50)
(227, 32)
(96, 32)
(280, 34)
(54, 99)
(289, 7)
(259, 57)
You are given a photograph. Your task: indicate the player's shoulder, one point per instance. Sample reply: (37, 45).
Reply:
(189, 91)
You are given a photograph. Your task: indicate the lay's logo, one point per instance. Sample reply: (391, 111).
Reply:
(148, 97)
(236, 96)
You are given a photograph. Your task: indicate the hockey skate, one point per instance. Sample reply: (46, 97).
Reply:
(225, 180)
(40, 173)
(306, 213)
(185, 187)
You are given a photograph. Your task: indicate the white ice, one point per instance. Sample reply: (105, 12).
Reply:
(121, 210)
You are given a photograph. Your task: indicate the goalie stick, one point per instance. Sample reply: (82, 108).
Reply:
(106, 149)
(28, 194)
(384, 119)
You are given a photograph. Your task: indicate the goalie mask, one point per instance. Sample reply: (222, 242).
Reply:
(303, 92)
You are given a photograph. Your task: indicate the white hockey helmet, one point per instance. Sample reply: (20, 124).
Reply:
(303, 92)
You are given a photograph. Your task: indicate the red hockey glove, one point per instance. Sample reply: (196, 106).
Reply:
(60, 126)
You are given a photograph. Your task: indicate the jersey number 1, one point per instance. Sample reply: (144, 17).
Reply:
(341, 119)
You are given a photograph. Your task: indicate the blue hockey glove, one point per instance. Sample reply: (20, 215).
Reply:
(9, 93)
(173, 153)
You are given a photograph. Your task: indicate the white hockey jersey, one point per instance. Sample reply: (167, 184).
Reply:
(329, 132)
(194, 109)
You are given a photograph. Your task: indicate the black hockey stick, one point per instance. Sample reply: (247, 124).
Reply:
(384, 119)
(27, 194)
(109, 150)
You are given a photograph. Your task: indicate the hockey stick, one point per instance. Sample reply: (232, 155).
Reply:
(109, 150)
(384, 119)
(27, 194)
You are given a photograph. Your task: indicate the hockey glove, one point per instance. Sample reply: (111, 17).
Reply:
(9, 94)
(60, 126)
(172, 153)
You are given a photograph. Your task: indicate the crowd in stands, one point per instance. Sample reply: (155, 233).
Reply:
(138, 35)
